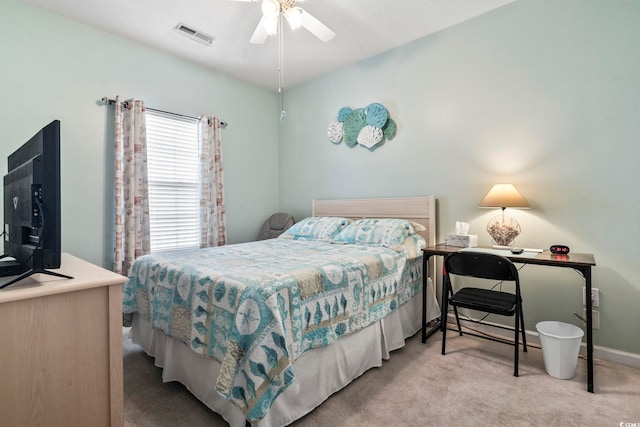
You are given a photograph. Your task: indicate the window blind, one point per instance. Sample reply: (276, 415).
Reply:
(173, 169)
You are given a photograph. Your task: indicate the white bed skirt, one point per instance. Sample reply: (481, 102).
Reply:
(319, 372)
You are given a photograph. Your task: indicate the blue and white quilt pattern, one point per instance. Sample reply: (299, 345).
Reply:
(257, 306)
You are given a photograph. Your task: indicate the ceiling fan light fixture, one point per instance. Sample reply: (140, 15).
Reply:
(294, 17)
(270, 8)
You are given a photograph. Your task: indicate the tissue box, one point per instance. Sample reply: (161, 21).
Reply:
(461, 240)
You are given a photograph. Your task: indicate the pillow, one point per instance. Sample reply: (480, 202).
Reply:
(417, 227)
(322, 228)
(412, 246)
(389, 232)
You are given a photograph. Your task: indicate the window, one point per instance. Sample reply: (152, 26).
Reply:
(174, 189)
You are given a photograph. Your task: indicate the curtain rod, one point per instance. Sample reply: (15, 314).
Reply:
(113, 101)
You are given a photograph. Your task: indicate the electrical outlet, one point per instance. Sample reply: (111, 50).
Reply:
(595, 318)
(595, 296)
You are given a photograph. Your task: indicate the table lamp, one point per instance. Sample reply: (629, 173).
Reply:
(502, 228)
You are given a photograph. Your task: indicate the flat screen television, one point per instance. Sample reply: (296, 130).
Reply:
(32, 207)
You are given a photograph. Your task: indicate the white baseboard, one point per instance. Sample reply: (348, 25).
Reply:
(599, 352)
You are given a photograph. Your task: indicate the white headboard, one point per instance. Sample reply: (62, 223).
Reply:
(418, 209)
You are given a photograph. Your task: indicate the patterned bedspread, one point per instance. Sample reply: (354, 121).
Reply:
(256, 307)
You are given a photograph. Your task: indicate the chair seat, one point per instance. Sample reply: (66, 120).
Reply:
(486, 300)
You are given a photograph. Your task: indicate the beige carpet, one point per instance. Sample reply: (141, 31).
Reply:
(473, 385)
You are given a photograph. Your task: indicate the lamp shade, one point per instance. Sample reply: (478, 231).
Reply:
(504, 196)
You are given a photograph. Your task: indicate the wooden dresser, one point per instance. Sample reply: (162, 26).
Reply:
(61, 348)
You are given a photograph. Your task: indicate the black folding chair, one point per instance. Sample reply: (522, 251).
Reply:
(484, 266)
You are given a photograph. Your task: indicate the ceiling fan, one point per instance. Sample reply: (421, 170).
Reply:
(273, 10)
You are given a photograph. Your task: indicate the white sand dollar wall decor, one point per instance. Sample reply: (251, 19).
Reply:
(367, 126)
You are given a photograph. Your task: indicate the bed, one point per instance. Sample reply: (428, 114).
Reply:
(296, 319)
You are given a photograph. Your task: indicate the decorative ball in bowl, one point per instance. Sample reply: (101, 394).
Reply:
(503, 230)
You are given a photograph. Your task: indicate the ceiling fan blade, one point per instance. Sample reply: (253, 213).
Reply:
(316, 27)
(260, 34)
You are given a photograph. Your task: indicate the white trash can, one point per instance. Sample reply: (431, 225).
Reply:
(560, 347)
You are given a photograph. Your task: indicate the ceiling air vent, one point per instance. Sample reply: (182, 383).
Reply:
(194, 34)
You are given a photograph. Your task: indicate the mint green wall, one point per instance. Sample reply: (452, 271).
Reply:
(542, 94)
(54, 68)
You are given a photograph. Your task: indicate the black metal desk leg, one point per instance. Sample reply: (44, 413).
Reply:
(425, 275)
(587, 278)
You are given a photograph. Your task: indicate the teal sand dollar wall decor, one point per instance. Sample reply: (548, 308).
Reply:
(367, 126)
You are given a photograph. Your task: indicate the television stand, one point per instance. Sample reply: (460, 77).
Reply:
(32, 272)
(62, 349)
(13, 268)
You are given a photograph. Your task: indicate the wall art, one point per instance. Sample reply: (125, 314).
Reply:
(367, 126)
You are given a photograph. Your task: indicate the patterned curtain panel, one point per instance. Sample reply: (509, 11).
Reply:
(213, 221)
(132, 235)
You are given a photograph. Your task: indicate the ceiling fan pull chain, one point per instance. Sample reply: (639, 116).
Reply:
(283, 113)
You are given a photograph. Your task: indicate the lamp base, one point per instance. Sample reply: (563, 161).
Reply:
(503, 230)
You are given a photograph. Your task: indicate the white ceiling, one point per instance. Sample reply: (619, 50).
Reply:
(363, 28)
